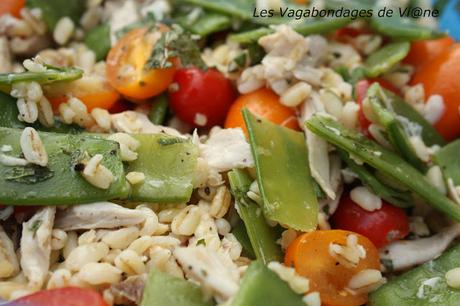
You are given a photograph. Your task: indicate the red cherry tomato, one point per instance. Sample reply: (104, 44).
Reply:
(202, 98)
(360, 94)
(345, 35)
(121, 106)
(61, 297)
(381, 226)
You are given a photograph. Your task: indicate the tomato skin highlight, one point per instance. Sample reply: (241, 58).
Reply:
(12, 7)
(70, 296)
(424, 51)
(195, 91)
(263, 103)
(126, 70)
(309, 255)
(381, 226)
(441, 77)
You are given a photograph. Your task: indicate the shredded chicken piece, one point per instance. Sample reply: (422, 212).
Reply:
(318, 152)
(407, 253)
(8, 261)
(227, 149)
(134, 123)
(214, 271)
(97, 215)
(36, 246)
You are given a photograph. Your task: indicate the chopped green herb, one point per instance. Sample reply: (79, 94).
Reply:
(175, 43)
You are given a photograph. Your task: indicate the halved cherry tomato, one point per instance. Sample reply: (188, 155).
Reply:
(360, 94)
(121, 106)
(92, 90)
(263, 103)
(309, 255)
(201, 93)
(12, 7)
(441, 77)
(70, 296)
(126, 70)
(381, 226)
(424, 51)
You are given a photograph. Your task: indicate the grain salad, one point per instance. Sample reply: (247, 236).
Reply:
(224, 152)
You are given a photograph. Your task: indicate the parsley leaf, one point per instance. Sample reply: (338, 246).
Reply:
(175, 43)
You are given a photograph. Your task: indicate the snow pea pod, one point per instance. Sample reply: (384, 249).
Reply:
(261, 235)
(98, 40)
(9, 112)
(397, 135)
(207, 24)
(168, 164)
(237, 8)
(51, 75)
(261, 286)
(403, 28)
(60, 183)
(320, 26)
(448, 159)
(386, 58)
(163, 289)
(382, 160)
(159, 110)
(283, 174)
(396, 197)
(397, 105)
(423, 286)
(9, 118)
(53, 10)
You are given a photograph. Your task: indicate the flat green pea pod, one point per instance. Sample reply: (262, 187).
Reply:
(398, 136)
(98, 40)
(261, 235)
(9, 118)
(241, 9)
(60, 182)
(320, 26)
(9, 112)
(382, 160)
(168, 164)
(52, 74)
(163, 289)
(423, 286)
(403, 28)
(401, 108)
(401, 122)
(283, 173)
(396, 197)
(206, 24)
(448, 159)
(54, 10)
(261, 286)
(241, 234)
(159, 110)
(385, 58)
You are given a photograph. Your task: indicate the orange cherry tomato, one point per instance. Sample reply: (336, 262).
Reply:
(424, 51)
(309, 255)
(263, 103)
(441, 77)
(92, 90)
(12, 7)
(126, 70)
